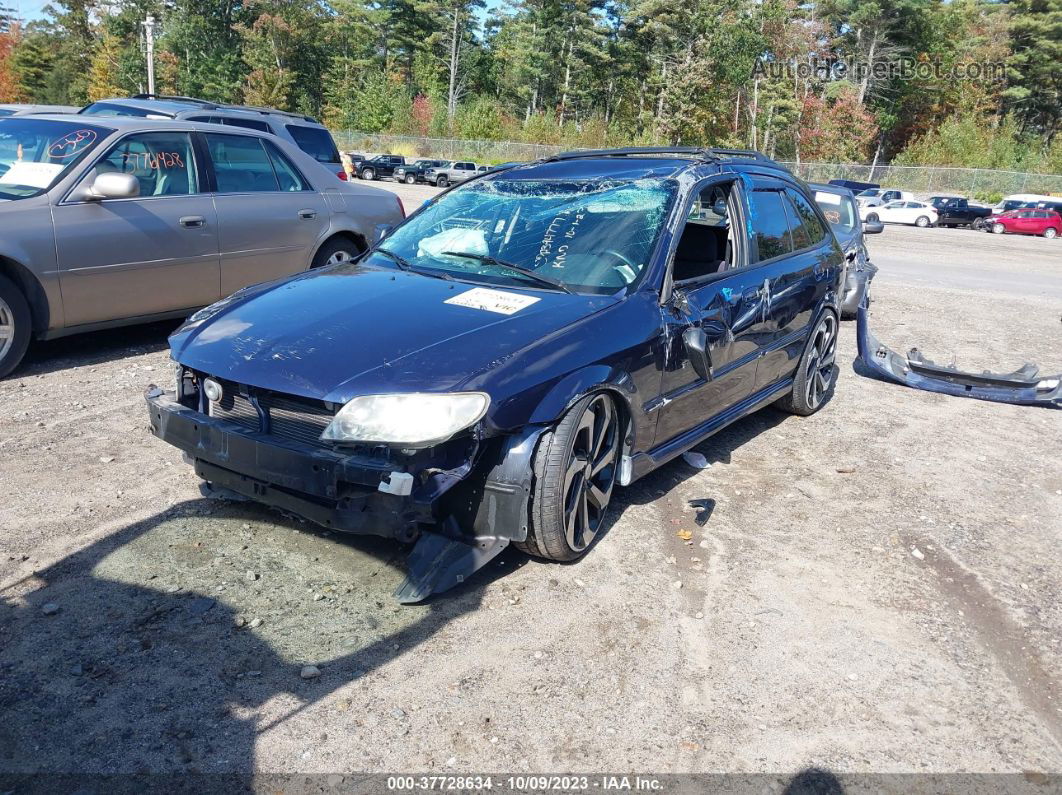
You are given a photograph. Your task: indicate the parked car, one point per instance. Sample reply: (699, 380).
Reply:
(1028, 221)
(513, 351)
(414, 172)
(456, 171)
(839, 207)
(18, 109)
(126, 220)
(876, 197)
(900, 212)
(957, 211)
(379, 167)
(853, 185)
(1017, 201)
(305, 132)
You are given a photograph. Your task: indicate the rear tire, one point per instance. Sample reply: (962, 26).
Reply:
(921, 222)
(575, 467)
(15, 326)
(816, 373)
(335, 251)
(1050, 232)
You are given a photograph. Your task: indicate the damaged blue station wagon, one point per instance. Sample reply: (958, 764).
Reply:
(513, 351)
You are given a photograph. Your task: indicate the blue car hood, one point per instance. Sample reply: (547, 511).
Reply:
(353, 330)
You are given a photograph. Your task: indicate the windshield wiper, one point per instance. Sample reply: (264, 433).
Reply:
(406, 265)
(530, 274)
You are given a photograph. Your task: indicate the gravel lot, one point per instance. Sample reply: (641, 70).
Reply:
(875, 588)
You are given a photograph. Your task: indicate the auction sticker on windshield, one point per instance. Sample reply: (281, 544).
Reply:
(33, 175)
(492, 300)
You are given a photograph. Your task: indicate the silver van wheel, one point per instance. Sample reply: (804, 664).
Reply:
(7, 328)
(338, 257)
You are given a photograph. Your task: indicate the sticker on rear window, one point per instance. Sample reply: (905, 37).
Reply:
(827, 198)
(493, 300)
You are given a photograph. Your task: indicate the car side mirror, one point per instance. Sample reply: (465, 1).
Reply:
(111, 186)
(873, 227)
(696, 342)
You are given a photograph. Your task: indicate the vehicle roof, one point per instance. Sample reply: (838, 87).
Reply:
(124, 123)
(174, 105)
(838, 190)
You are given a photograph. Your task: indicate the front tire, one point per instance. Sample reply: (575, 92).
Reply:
(15, 323)
(410, 179)
(816, 374)
(1050, 232)
(368, 174)
(998, 229)
(441, 182)
(575, 467)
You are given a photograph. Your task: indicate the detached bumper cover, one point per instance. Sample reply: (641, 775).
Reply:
(1022, 387)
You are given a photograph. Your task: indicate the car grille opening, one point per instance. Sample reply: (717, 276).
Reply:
(289, 417)
(297, 421)
(236, 408)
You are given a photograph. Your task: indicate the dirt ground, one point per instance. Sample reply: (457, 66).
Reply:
(874, 588)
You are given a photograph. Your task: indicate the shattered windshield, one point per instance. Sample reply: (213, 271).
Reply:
(35, 153)
(592, 236)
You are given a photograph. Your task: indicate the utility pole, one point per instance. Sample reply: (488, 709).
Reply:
(149, 50)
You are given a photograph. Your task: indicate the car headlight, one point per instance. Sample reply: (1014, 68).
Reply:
(415, 419)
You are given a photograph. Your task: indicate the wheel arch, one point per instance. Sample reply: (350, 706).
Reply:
(341, 234)
(574, 387)
(32, 289)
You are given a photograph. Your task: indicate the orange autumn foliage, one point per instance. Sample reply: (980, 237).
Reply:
(9, 86)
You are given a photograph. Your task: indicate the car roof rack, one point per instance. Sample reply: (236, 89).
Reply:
(205, 104)
(269, 112)
(708, 154)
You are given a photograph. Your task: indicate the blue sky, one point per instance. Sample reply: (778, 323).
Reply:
(29, 10)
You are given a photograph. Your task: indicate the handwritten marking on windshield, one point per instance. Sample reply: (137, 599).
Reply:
(71, 144)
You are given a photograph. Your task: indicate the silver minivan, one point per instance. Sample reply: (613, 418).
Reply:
(112, 221)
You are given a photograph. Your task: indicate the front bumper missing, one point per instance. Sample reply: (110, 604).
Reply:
(349, 492)
(1023, 386)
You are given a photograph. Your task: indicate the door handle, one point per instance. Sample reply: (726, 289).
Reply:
(192, 221)
(307, 215)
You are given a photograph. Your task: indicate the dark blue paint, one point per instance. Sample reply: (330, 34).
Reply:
(359, 329)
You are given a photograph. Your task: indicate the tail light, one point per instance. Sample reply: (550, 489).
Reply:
(342, 175)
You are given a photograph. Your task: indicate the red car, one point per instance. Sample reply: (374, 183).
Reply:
(1027, 221)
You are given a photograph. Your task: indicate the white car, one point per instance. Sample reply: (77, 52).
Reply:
(876, 197)
(901, 212)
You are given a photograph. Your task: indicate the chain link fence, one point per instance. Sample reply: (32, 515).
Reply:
(442, 148)
(933, 179)
(972, 182)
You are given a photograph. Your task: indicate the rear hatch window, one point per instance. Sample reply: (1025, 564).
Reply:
(316, 142)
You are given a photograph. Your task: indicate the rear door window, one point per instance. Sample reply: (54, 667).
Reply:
(163, 163)
(288, 176)
(316, 142)
(241, 164)
(806, 227)
(770, 225)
